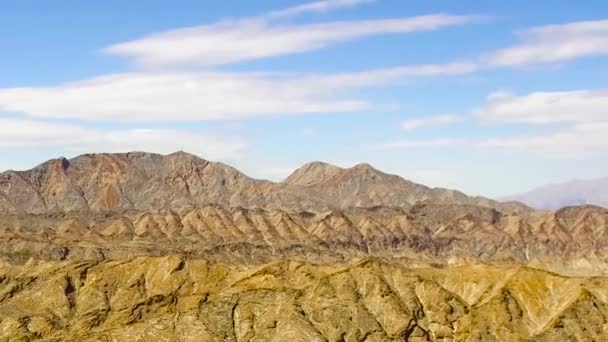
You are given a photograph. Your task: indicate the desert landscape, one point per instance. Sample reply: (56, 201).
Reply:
(303, 171)
(140, 246)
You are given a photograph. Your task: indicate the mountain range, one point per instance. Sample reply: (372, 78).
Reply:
(141, 246)
(145, 181)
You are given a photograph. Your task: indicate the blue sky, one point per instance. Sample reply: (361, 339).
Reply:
(490, 97)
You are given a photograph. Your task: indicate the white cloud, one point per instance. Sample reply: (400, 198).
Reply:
(405, 144)
(576, 124)
(206, 95)
(386, 75)
(577, 106)
(431, 121)
(18, 134)
(240, 40)
(576, 142)
(582, 116)
(203, 96)
(554, 43)
(579, 141)
(318, 6)
(217, 95)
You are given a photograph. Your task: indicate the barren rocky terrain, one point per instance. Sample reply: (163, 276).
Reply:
(144, 181)
(144, 247)
(178, 299)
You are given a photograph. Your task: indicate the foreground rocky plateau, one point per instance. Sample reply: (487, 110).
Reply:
(144, 247)
(177, 299)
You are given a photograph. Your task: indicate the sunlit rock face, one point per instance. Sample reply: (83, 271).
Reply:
(174, 298)
(143, 247)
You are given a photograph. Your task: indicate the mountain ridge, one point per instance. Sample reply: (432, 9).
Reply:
(570, 241)
(140, 180)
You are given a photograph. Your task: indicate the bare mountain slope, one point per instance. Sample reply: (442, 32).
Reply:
(365, 186)
(102, 182)
(145, 181)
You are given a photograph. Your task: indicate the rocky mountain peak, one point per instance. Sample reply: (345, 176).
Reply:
(312, 173)
(367, 171)
(364, 167)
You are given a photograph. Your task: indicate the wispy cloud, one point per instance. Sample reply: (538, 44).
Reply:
(180, 96)
(574, 124)
(581, 115)
(318, 6)
(206, 95)
(247, 39)
(578, 106)
(554, 43)
(18, 134)
(431, 121)
(191, 94)
(578, 141)
(387, 75)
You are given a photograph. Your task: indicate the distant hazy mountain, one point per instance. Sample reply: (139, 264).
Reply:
(576, 192)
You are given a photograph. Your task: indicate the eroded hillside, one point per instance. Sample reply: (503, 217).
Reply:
(176, 299)
(572, 241)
